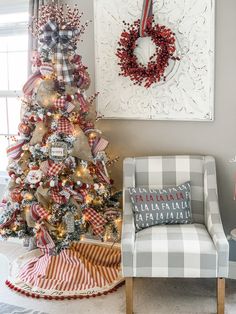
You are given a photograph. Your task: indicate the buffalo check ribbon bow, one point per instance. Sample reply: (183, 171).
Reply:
(59, 41)
(38, 213)
(61, 196)
(96, 220)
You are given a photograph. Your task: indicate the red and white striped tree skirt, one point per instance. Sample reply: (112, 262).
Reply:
(85, 270)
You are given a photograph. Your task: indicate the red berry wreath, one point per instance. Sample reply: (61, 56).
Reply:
(154, 71)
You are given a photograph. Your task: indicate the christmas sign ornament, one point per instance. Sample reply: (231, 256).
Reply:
(58, 151)
(162, 37)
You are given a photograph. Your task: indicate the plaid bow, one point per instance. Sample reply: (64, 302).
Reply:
(54, 169)
(60, 42)
(62, 104)
(37, 212)
(101, 172)
(56, 197)
(64, 126)
(96, 220)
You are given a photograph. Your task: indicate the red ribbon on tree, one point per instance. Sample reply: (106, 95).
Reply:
(64, 126)
(96, 220)
(38, 212)
(84, 106)
(44, 240)
(54, 169)
(146, 13)
(57, 197)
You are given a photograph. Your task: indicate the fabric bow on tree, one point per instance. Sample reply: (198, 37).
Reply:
(60, 42)
(96, 220)
(44, 241)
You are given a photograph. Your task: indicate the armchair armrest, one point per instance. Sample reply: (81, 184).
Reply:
(128, 228)
(212, 217)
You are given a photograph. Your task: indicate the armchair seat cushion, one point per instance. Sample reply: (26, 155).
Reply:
(174, 251)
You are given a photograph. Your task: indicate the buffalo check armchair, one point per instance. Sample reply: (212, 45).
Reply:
(193, 250)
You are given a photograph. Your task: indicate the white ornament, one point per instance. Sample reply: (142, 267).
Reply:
(96, 186)
(52, 183)
(18, 180)
(46, 69)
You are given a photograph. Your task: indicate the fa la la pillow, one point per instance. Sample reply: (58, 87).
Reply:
(169, 205)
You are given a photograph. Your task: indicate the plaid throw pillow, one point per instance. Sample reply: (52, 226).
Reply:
(170, 205)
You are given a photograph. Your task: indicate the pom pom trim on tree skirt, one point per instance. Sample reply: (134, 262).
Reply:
(86, 270)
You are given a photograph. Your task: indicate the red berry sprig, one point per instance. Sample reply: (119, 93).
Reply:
(154, 71)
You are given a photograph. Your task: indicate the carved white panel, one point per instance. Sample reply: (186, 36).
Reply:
(188, 93)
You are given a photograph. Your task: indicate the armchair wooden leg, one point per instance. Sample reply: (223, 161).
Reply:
(129, 295)
(220, 295)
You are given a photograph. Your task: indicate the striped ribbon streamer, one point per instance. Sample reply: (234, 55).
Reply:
(146, 13)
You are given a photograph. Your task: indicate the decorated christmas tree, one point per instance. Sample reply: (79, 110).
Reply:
(59, 190)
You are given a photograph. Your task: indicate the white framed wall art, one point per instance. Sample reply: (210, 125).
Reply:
(188, 92)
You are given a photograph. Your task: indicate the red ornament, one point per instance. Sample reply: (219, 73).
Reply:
(154, 72)
(24, 128)
(69, 98)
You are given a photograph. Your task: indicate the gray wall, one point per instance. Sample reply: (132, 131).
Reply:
(136, 138)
